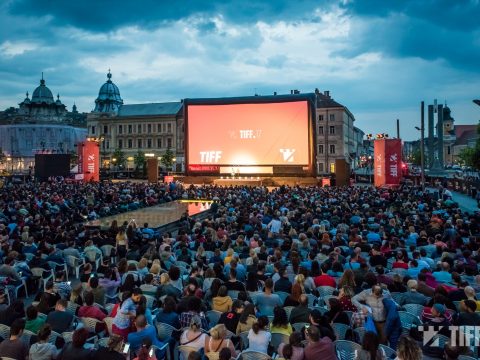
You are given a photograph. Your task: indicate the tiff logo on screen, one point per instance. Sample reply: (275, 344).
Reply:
(287, 154)
(210, 157)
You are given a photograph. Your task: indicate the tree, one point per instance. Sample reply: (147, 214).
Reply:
(139, 160)
(119, 157)
(416, 157)
(470, 156)
(167, 159)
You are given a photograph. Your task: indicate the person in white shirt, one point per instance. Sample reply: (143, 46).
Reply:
(258, 336)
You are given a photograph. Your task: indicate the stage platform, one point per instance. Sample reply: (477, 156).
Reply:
(238, 182)
(248, 181)
(155, 216)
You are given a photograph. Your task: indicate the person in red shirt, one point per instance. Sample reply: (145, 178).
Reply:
(323, 279)
(400, 264)
(89, 310)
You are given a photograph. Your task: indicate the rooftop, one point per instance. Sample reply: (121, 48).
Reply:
(149, 109)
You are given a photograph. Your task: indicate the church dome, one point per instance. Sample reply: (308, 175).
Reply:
(42, 94)
(108, 97)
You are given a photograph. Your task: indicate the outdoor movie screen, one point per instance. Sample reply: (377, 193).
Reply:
(249, 134)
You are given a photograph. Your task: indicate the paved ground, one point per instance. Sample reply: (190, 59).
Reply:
(466, 202)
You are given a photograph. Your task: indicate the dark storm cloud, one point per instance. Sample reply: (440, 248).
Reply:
(106, 15)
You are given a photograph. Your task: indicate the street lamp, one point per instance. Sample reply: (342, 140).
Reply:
(422, 144)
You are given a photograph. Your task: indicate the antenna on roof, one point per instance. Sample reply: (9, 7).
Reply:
(42, 75)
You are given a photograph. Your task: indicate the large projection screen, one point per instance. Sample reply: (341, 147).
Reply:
(260, 134)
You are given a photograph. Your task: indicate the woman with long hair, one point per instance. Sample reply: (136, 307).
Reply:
(259, 337)
(217, 340)
(345, 297)
(121, 243)
(370, 348)
(76, 294)
(253, 283)
(347, 279)
(335, 313)
(167, 314)
(408, 349)
(280, 324)
(294, 349)
(294, 298)
(247, 319)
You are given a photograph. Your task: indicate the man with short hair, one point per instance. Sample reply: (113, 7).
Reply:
(14, 347)
(233, 283)
(301, 312)
(283, 284)
(144, 330)
(422, 286)
(97, 291)
(89, 310)
(267, 300)
(60, 320)
(468, 315)
(412, 296)
(318, 347)
(443, 275)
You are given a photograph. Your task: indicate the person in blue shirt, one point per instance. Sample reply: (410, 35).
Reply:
(144, 331)
(443, 276)
(167, 314)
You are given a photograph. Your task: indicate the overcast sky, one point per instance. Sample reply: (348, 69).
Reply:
(379, 58)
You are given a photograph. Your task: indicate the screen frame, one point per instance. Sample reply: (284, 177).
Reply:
(310, 98)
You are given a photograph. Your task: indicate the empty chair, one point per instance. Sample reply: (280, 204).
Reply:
(325, 290)
(282, 294)
(254, 355)
(93, 257)
(414, 309)
(58, 267)
(108, 324)
(277, 339)
(288, 310)
(244, 340)
(75, 264)
(299, 326)
(165, 330)
(346, 349)
(45, 276)
(67, 336)
(359, 333)
(213, 316)
(389, 352)
(185, 350)
(53, 337)
(312, 300)
(408, 319)
(340, 330)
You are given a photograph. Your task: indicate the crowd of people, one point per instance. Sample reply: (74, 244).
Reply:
(285, 271)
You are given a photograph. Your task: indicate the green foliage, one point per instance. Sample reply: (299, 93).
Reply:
(470, 156)
(416, 157)
(167, 158)
(120, 157)
(139, 160)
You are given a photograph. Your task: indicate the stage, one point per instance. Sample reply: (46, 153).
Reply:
(238, 182)
(155, 216)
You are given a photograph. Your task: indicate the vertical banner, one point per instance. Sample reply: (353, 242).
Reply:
(393, 161)
(379, 162)
(387, 162)
(152, 170)
(89, 160)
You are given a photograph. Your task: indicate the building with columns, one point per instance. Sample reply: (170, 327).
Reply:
(150, 128)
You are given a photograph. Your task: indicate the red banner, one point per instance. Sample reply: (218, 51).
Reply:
(89, 160)
(387, 162)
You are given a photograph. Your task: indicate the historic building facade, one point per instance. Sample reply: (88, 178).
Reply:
(149, 128)
(39, 124)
